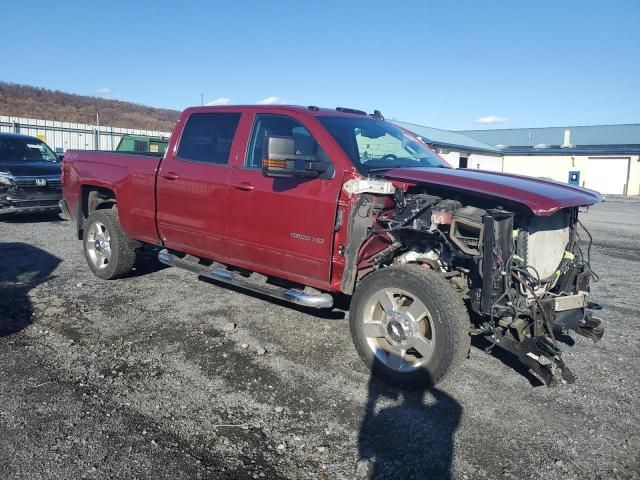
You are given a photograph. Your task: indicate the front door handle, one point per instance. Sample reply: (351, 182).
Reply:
(170, 176)
(244, 186)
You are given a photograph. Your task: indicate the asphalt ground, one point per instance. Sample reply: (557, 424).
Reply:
(161, 375)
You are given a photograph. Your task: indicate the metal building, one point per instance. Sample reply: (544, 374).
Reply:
(461, 151)
(64, 135)
(605, 158)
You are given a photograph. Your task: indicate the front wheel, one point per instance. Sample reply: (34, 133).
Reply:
(106, 249)
(409, 326)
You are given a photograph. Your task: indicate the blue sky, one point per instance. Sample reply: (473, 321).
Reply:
(447, 64)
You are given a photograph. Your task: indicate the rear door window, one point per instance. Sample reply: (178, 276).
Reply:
(207, 137)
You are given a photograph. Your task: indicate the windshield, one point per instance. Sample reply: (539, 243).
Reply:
(17, 149)
(375, 145)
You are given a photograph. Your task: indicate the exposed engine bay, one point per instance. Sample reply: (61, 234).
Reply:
(525, 278)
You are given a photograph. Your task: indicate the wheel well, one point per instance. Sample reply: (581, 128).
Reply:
(94, 198)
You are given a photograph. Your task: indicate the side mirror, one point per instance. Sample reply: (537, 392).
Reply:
(60, 156)
(281, 160)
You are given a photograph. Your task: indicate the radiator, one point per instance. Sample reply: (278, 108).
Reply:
(546, 241)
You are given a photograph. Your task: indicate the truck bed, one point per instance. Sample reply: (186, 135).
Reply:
(130, 176)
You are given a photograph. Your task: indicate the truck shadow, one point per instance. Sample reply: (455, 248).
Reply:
(327, 314)
(22, 268)
(412, 440)
(147, 262)
(38, 217)
(506, 358)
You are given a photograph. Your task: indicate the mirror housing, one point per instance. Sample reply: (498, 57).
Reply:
(281, 160)
(372, 131)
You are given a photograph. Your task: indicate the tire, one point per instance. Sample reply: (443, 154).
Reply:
(384, 320)
(106, 246)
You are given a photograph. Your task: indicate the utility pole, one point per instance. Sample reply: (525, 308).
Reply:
(202, 99)
(97, 138)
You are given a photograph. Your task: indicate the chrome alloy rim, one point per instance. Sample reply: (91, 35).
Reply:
(399, 329)
(99, 244)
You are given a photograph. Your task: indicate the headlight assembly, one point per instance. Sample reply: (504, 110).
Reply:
(6, 179)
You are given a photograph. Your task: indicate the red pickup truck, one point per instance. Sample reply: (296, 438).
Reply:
(306, 204)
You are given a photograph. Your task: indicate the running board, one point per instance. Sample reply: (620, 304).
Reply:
(319, 300)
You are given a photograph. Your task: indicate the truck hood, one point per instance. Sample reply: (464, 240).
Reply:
(30, 169)
(542, 197)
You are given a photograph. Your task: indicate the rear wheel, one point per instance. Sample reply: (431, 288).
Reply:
(409, 326)
(106, 247)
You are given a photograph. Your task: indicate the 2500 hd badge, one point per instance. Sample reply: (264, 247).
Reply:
(306, 238)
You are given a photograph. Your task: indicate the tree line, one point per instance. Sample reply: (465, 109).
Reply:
(33, 102)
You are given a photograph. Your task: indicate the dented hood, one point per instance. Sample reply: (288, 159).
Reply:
(543, 197)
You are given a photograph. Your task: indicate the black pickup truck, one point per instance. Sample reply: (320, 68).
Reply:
(29, 175)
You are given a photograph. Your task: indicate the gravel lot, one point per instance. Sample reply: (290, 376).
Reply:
(163, 376)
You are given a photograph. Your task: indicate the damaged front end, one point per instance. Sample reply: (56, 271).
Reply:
(29, 194)
(533, 285)
(525, 277)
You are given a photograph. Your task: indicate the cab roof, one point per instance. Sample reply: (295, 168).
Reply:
(309, 110)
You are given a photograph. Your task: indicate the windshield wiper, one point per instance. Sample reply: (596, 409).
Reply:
(427, 166)
(380, 169)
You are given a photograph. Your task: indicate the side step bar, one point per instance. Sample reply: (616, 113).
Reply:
(320, 300)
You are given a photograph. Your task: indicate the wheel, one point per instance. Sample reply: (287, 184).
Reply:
(105, 245)
(409, 326)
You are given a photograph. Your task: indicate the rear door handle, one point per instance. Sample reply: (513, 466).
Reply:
(170, 176)
(244, 186)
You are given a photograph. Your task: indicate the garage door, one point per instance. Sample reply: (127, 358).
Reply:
(607, 175)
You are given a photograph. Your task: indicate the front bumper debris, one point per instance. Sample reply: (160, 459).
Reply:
(21, 200)
(591, 327)
(541, 353)
(574, 312)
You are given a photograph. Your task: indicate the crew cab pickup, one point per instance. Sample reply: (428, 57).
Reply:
(307, 204)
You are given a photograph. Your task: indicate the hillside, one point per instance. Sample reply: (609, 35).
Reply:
(33, 102)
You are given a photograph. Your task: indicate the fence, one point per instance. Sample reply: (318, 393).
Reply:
(64, 135)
